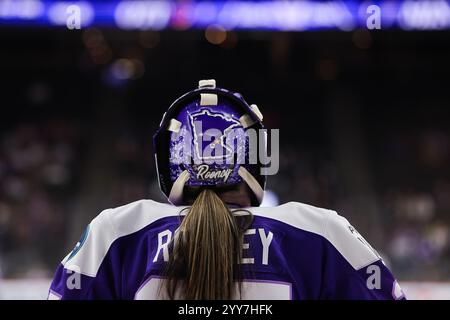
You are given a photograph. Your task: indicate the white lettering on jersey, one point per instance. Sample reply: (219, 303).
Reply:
(165, 237)
(164, 246)
(246, 246)
(266, 241)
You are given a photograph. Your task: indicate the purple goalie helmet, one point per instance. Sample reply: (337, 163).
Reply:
(210, 137)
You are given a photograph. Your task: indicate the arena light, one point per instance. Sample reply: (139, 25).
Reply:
(284, 15)
(143, 14)
(231, 15)
(57, 13)
(21, 10)
(424, 15)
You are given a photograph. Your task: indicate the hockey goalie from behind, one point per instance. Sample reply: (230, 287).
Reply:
(212, 240)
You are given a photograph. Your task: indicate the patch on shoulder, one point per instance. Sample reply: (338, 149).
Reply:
(358, 236)
(80, 242)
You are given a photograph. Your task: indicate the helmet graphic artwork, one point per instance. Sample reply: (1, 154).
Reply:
(210, 137)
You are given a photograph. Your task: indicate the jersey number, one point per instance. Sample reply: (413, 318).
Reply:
(251, 290)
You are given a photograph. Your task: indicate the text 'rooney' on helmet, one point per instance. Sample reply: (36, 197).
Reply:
(210, 137)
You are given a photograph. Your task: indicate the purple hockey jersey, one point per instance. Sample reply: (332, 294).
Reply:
(293, 251)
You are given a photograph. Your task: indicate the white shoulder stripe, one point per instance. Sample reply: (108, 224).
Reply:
(112, 224)
(328, 224)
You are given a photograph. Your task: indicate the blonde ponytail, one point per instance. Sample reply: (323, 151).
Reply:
(206, 251)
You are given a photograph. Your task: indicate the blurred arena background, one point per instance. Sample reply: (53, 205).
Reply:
(363, 116)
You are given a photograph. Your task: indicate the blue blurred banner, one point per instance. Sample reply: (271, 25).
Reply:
(236, 15)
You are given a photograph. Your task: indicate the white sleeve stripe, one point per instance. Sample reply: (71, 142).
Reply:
(52, 295)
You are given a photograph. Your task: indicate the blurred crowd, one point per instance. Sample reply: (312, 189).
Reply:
(415, 201)
(38, 179)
